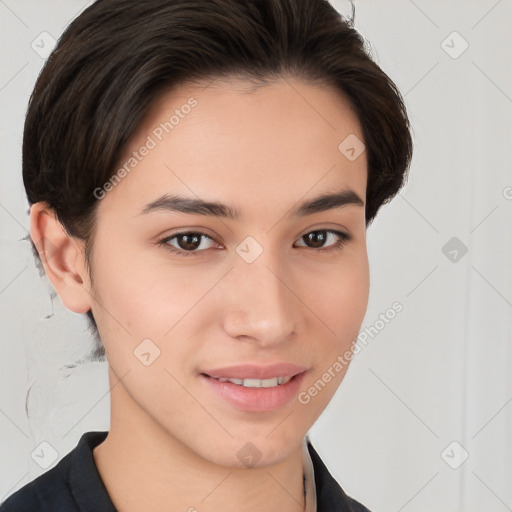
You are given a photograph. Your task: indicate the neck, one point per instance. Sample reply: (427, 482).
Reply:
(144, 467)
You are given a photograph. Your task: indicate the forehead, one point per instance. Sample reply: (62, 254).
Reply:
(215, 140)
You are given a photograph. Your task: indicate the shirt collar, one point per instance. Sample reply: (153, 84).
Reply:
(309, 478)
(87, 487)
(330, 497)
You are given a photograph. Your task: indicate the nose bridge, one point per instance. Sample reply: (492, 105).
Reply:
(262, 307)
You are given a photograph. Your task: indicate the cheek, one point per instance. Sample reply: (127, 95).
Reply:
(139, 299)
(348, 300)
(340, 304)
(339, 296)
(156, 300)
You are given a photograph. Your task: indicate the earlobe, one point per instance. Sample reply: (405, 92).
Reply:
(62, 257)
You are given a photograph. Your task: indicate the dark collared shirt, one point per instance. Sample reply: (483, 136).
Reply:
(75, 485)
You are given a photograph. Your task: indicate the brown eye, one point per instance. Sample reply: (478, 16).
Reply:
(187, 243)
(318, 238)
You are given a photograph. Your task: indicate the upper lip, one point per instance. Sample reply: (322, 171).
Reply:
(254, 371)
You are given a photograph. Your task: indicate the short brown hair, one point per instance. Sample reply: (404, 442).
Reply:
(115, 59)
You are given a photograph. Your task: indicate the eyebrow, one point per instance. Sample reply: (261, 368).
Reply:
(175, 203)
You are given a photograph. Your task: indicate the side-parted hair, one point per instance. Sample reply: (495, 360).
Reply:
(119, 56)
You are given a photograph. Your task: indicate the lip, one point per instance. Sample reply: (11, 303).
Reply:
(256, 399)
(254, 371)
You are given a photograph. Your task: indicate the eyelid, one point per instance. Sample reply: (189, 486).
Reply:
(343, 238)
(164, 241)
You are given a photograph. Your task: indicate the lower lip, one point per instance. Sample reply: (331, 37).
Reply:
(255, 399)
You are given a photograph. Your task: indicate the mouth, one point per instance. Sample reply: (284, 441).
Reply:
(247, 392)
(254, 374)
(255, 383)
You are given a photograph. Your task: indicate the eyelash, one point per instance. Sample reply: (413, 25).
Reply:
(344, 238)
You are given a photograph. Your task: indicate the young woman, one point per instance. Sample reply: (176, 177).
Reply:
(201, 175)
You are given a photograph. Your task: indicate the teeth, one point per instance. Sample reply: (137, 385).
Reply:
(257, 383)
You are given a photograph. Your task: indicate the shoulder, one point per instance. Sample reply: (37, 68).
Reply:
(49, 491)
(70, 486)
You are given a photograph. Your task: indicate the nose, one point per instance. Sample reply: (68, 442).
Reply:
(262, 306)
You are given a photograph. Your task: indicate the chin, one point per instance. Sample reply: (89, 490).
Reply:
(249, 451)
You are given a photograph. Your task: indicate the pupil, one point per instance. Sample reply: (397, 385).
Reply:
(317, 237)
(191, 245)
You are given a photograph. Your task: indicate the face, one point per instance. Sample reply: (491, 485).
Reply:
(184, 295)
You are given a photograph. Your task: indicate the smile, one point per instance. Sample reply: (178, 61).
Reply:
(255, 395)
(257, 383)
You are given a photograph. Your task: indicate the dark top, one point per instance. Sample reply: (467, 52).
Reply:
(74, 485)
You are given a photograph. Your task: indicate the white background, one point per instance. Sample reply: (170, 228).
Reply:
(439, 372)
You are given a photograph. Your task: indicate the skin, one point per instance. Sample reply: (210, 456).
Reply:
(262, 152)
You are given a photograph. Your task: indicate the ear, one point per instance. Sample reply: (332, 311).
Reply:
(63, 258)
